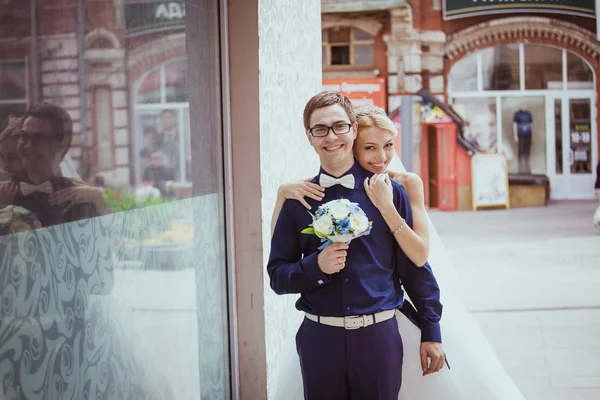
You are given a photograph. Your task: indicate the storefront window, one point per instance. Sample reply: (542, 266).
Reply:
(500, 67)
(579, 74)
(160, 123)
(480, 122)
(13, 89)
(543, 67)
(112, 259)
(463, 76)
(524, 134)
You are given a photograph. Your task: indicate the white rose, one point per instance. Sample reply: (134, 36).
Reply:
(338, 210)
(18, 210)
(346, 237)
(323, 225)
(5, 218)
(359, 223)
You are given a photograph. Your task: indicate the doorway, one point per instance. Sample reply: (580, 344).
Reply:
(571, 146)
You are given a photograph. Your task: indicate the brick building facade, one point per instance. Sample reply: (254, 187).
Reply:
(488, 67)
(132, 71)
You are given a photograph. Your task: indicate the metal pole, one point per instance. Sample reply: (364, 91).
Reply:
(406, 128)
(82, 87)
(34, 57)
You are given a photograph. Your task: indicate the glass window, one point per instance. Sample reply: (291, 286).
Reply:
(176, 87)
(580, 136)
(149, 90)
(543, 67)
(480, 122)
(364, 54)
(120, 292)
(343, 45)
(524, 134)
(361, 35)
(463, 75)
(579, 74)
(12, 80)
(500, 68)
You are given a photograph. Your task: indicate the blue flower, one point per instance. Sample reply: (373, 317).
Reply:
(343, 226)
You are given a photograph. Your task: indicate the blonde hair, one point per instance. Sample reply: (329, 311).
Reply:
(373, 116)
(13, 126)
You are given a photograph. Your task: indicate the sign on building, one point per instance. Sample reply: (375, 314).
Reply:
(454, 9)
(153, 16)
(362, 92)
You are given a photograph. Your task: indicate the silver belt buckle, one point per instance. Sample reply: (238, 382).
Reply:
(348, 322)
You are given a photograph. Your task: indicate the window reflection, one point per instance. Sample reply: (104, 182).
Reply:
(463, 76)
(500, 68)
(543, 67)
(579, 74)
(106, 248)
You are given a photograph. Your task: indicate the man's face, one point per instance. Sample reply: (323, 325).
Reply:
(332, 149)
(39, 146)
(10, 160)
(168, 120)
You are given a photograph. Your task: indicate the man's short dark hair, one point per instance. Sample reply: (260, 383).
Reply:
(59, 118)
(326, 99)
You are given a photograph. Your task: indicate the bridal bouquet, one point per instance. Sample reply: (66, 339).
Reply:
(339, 221)
(15, 219)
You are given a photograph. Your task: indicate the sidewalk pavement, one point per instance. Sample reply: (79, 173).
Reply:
(531, 278)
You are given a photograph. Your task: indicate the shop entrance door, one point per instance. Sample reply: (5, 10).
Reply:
(571, 146)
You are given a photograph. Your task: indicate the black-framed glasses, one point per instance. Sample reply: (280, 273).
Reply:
(35, 138)
(338, 129)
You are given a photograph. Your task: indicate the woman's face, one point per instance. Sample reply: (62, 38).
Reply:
(374, 149)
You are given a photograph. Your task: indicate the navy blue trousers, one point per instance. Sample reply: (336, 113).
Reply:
(358, 364)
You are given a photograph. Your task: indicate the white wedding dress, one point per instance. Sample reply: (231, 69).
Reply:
(475, 371)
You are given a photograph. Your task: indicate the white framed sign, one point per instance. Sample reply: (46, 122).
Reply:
(489, 180)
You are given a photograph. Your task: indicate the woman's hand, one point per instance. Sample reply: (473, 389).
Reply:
(300, 190)
(379, 190)
(8, 192)
(79, 193)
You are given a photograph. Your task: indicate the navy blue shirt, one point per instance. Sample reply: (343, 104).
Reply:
(375, 265)
(523, 119)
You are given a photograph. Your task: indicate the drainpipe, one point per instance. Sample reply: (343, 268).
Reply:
(34, 56)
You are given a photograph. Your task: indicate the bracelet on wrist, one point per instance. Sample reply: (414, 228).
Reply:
(398, 230)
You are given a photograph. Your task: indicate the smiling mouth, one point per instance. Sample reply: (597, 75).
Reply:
(333, 148)
(380, 165)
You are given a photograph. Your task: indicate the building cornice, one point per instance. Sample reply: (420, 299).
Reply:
(521, 29)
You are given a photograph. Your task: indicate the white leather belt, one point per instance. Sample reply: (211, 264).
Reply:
(353, 322)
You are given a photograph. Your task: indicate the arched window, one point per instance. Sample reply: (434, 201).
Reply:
(344, 45)
(520, 67)
(162, 112)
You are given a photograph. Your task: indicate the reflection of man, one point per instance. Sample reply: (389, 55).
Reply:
(170, 139)
(42, 143)
(157, 173)
(523, 132)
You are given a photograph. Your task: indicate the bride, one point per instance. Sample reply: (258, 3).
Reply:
(476, 372)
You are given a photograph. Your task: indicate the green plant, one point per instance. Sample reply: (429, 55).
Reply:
(118, 201)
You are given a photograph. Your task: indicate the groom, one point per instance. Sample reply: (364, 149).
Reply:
(42, 142)
(349, 344)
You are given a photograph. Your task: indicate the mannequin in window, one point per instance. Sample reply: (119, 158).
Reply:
(522, 129)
